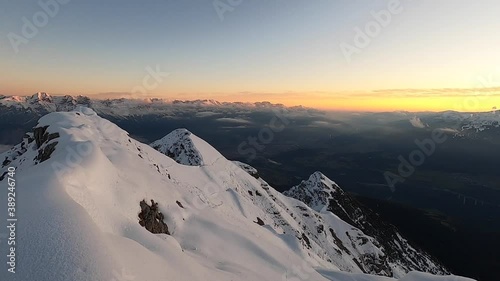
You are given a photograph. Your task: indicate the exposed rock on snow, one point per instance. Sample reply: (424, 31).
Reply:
(45, 152)
(42, 140)
(151, 218)
(259, 221)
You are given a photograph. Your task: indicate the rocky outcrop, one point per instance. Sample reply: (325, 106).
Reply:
(151, 218)
(42, 136)
(42, 139)
(45, 152)
(39, 140)
(6, 162)
(259, 221)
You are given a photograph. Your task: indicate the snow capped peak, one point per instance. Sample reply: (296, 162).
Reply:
(315, 191)
(15, 99)
(319, 178)
(42, 103)
(187, 149)
(41, 96)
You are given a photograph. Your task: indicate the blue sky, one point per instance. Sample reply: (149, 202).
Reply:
(260, 47)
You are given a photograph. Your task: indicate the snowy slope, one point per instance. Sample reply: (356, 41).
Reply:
(371, 248)
(80, 179)
(325, 237)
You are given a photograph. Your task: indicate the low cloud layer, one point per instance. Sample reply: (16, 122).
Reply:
(417, 123)
(234, 120)
(206, 114)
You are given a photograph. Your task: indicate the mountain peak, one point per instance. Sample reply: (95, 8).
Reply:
(318, 177)
(186, 148)
(315, 191)
(41, 96)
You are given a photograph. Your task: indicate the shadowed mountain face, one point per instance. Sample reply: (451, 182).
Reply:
(320, 193)
(455, 188)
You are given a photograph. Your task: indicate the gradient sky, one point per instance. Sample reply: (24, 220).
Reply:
(432, 56)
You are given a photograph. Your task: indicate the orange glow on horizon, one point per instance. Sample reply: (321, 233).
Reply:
(463, 100)
(468, 103)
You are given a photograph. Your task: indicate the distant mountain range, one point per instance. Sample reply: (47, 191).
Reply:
(41, 103)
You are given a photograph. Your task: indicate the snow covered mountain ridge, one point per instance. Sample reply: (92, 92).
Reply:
(323, 195)
(43, 103)
(85, 188)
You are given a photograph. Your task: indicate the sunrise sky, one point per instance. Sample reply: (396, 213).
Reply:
(430, 55)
